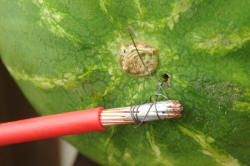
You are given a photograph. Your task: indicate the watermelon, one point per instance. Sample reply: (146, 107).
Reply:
(64, 55)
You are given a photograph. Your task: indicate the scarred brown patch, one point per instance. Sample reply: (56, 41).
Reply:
(131, 62)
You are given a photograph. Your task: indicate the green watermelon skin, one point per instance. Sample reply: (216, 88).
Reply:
(64, 56)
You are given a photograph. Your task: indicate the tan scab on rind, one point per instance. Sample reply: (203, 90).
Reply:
(132, 63)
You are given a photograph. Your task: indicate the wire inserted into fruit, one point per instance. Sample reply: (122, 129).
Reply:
(92, 120)
(84, 121)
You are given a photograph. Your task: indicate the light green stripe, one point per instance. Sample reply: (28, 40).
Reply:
(103, 4)
(220, 42)
(205, 141)
(138, 6)
(50, 18)
(69, 79)
(178, 8)
(157, 152)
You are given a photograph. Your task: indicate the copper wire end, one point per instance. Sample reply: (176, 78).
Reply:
(161, 110)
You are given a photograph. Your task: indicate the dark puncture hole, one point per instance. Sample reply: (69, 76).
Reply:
(165, 77)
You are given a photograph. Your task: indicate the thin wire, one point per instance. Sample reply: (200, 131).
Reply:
(137, 51)
(134, 114)
(160, 89)
(159, 84)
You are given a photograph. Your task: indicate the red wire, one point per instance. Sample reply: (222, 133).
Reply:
(75, 122)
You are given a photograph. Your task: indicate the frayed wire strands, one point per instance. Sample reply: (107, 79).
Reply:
(141, 113)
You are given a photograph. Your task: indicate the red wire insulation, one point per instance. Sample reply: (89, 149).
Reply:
(68, 123)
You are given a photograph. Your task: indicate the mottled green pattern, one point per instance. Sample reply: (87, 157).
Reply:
(64, 56)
